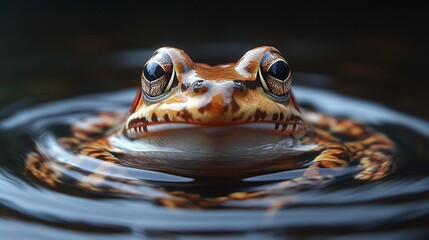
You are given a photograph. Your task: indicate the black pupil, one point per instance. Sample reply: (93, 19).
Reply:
(279, 70)
(153, 71)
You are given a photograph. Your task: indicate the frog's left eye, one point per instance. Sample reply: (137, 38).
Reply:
(275, 74)
(158, 75)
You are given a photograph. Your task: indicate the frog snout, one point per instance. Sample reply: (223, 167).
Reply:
(203, 86)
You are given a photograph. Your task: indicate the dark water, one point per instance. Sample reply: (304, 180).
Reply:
(396, 207)
(364, 49)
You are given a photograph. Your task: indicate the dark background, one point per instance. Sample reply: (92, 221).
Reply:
(58, 49)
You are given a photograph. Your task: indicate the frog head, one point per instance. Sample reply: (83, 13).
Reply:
(253, 93)
(198, 118)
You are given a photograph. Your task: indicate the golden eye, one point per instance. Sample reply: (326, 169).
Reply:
(158, 75)
(275, 74)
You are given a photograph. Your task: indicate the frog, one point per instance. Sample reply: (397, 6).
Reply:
(224, 123)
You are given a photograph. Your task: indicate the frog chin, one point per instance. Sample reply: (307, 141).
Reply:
(215, 140)
(195, 150)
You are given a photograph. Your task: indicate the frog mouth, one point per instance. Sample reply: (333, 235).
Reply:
(138, 129)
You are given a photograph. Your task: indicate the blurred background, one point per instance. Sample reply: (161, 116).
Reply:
(58, 49)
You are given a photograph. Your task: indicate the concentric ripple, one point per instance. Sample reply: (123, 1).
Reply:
(395, 208)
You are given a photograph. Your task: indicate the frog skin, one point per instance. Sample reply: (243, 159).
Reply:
(226, 122)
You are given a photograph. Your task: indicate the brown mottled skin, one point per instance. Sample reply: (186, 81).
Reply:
(253, 94)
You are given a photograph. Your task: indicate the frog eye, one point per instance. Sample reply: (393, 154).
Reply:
(275, 74)
(158, 75)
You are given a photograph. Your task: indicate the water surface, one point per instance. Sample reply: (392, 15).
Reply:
(396, 207)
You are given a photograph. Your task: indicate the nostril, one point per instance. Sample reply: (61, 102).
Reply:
(197, 85)
(239, 85)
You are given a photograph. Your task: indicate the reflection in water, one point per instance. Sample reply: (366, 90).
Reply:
(394, 208)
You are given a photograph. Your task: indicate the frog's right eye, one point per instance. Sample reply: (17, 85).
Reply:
(158, 75)
(275, 75)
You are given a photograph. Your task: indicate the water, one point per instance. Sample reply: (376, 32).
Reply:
(396, 207)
